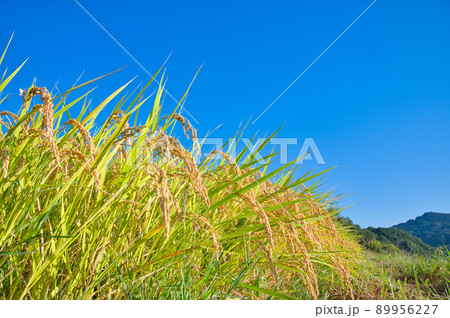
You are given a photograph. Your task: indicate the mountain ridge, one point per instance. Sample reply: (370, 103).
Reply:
(421, 235)
(433, 228)
(389, 240)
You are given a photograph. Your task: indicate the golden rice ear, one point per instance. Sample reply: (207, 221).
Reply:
(229, 160)
(250, 199)
(86, 136)
(311, 278)
(114, 118)
(47, 119)
(187, 127)
(4, 155)
(91, 146)
(215, 237)
(173, 149)
(166, 198)
(12, 115)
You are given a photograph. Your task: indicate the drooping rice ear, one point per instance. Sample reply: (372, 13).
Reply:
(91, 146)
(4, 155)
(86, 136)
(47, 119)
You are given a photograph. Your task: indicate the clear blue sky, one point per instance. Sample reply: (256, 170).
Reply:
(377, 103)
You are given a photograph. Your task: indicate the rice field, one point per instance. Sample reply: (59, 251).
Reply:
(97, 204)
(114, 208)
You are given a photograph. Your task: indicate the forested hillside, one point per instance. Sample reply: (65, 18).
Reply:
(388, 239)
(432, 227)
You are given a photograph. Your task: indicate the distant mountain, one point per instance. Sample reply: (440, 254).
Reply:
(387, 239)
(432, 227)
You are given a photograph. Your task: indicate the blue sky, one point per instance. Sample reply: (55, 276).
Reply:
(377, 103)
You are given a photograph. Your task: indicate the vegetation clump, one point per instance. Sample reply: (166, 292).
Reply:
(400, 275)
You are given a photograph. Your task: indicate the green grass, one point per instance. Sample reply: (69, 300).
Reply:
(404, 276)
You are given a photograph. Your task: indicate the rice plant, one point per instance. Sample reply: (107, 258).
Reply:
(113, 209)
